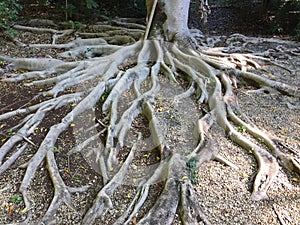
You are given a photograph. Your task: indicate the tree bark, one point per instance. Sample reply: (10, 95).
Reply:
(170, 19)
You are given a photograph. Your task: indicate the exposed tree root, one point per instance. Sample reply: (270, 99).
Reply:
(108, 73)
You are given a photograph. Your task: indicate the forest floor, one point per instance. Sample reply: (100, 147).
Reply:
(223, 192)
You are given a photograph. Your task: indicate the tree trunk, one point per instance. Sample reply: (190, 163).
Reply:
(170, 19)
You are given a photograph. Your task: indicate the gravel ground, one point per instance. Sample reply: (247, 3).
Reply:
(225, 192)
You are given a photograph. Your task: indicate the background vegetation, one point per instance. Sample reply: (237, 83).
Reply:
(280, 16)
(9, 11)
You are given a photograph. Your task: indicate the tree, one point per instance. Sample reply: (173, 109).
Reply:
(109, 75)
(283, 16)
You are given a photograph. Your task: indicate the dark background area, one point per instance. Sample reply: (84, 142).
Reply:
(249, 17)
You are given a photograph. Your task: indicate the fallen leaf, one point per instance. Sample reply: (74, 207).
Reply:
(245, 175)
(160, 109)
(184, 178)
(11, 210)
(134, 221)
(24, 210)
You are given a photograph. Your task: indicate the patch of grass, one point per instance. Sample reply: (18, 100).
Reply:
(242, 128)
(16, 199)
(105, 95)
(11, 132)
(77, 180)
(192, 166)
(56, 149)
